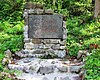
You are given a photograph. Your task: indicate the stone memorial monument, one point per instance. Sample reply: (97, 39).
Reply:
(45, 32)
(44, 54)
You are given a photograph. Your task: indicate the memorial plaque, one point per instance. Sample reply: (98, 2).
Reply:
(45, 26)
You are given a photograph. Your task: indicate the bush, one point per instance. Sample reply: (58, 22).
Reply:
(83, 30)
(11, 10)
(1, 56)
(11, 36)
(93, 66)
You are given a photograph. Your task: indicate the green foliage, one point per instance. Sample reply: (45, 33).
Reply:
(11, 36)
(1, 57)
(68, 8)
(83, 30)
(6, 73)
(11, 10)
(17, 29)
(93, 66)
(11, 24)
(11, 29)
(13, 43)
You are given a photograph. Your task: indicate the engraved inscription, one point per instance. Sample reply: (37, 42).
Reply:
(45, 26)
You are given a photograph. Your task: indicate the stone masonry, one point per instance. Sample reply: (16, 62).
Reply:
(44, 31)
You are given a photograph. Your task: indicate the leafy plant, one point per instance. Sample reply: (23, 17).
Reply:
(1, 56)
(83, 30)
(93, 66)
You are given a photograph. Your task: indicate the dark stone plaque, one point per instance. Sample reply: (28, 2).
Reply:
(45, 26)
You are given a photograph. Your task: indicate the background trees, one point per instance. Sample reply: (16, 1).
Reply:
(97, 8)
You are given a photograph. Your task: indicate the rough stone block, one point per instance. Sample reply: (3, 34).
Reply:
(63, 69)
(41, 46)
(54, 41)
(35, 46)
(45, 78)
(55, 46)
(25, 35)
(61, 54)
(8, 54)
(25, 51)
(38, 46)
(50, 41)
(62, 47)
(49, 45)
(46, 70)
(25, 15)
(82, 53)
(26, 28)
(46, 41)
(26, 40)
(64, 31)
(36, 41)
(76, 69)
(64, 24)
(31, 11)
(66, 78)
(28, 45)
(15, 67)
(51, 52)
(38, 11)
(28, 5)
(40, 6)
(64, 36)
(31, 5)
(49, 11)
(62, 43)
(39, 51)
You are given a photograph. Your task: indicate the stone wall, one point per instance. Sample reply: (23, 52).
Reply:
(43, 46)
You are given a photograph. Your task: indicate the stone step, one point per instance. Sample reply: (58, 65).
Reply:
(38, 53)
(52, 76)
(45, 66)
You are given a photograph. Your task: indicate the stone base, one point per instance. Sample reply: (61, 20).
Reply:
(53, 76)
(40, 53)
(47, 69)
(46, 46)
